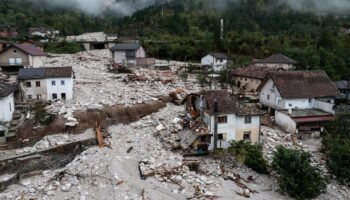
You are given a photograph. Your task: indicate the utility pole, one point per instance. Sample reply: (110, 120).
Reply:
(216, 111)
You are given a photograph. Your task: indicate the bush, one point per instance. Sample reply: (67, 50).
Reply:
(295, 174)
(250, 155)
(40, 114)
(64, 47)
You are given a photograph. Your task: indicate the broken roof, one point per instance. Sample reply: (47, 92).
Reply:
(219, 55)
(343, 85)
(254, 71)
(302, 84)
(6, 89)
(227, 104)
(126, 47)
(277, 58)
(42, 73)
(29, 49)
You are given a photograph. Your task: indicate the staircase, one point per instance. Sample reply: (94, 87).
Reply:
(16, 119)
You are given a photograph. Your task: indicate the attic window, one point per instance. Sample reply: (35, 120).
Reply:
(222, 120)
(14, 51)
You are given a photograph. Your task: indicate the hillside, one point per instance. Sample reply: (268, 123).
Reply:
(188, 29)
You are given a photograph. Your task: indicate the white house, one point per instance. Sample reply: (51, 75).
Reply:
(306, 95)
(127, 53)
(217, 61)
(45, 84)
(276, 61)
(236, 121)
(7, 103)
(43, 32)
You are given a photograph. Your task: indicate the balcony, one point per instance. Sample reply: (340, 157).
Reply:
(13, 67)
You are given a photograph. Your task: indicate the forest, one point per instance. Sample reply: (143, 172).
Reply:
(188, 29)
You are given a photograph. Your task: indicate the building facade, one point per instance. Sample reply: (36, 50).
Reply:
(276, 61)
(216, 61)
(127, 53)
(7, 103)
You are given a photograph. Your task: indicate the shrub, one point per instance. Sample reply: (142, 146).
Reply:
(64, 47)
(250, 155)
(40, 114)
(295, 174)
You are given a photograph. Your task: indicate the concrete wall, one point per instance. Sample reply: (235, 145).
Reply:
(234, 129)
(251, 83)
(286, 122)
(303, 103)
(34, 90)
(7, 107)
(274, 95)
(13, 52)
(58, 88)
(218, 64)
(277, 65)
(326, 105)
(36, 61)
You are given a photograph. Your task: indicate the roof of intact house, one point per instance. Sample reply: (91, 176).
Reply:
(126, 46)
(276, 58)
(6, 89)
(29, 49)
(42, 73)
(253, 71)
(228, 104)
(343, 85)
(302, 84)
(219, 55)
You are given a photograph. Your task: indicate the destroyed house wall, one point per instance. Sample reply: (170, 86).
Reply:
(34, 92)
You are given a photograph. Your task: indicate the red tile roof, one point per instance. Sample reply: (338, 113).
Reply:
(30, 49)
(277, 58)
(256, 72)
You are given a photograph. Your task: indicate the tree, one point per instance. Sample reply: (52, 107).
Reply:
(250, 155)
(295, 174)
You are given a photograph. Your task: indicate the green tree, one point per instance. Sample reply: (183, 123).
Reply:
(295, 174)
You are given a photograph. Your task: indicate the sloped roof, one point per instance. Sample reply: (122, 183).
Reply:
(343, 85)
(126, 46)
(252, 71)
(29, 49)
(6, 89)
(219, 55)
(302, 84)
(42, 73)
(227, 104)
(277, 58)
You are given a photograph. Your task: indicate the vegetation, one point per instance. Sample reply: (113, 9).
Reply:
(64, 47)
(250, 155)
(337, 148)
(295, 174)
(187, 30)
(40, 114)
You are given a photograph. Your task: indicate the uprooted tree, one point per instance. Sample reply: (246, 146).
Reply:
(250, 155)
(295, 174)
(336, 143)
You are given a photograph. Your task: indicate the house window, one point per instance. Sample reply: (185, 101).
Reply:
(63, 96)
(18, 60)
(62, 82)
(246, 136)
(130, 54)
(14, 51)
(53, 83)
(28, 84)
(38, 96)
(310, 100)
(2, 133)
(30, 97)
(222, 120)
(220, 136)
(268, 97)
(12, 61)
(248, 119)
(54, 96)
(37, 83)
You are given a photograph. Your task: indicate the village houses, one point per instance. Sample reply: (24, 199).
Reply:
(302, 100)
(45, 84)
(17, 56)
(216, 61)
(94, 40)
(235, 120)
(276, 61)
(127, 53)
(250, 77)
(43, 33)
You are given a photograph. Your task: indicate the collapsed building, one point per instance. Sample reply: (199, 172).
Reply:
(224, 117)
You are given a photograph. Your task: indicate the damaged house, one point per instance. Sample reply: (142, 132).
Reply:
(276, 61)
(45, 84)
(17, 56)
(302, 100)
(250, 77)
(127, 53)
(235, 121)
(216, 61)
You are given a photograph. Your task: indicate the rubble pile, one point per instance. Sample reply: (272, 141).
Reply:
(95, 87)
